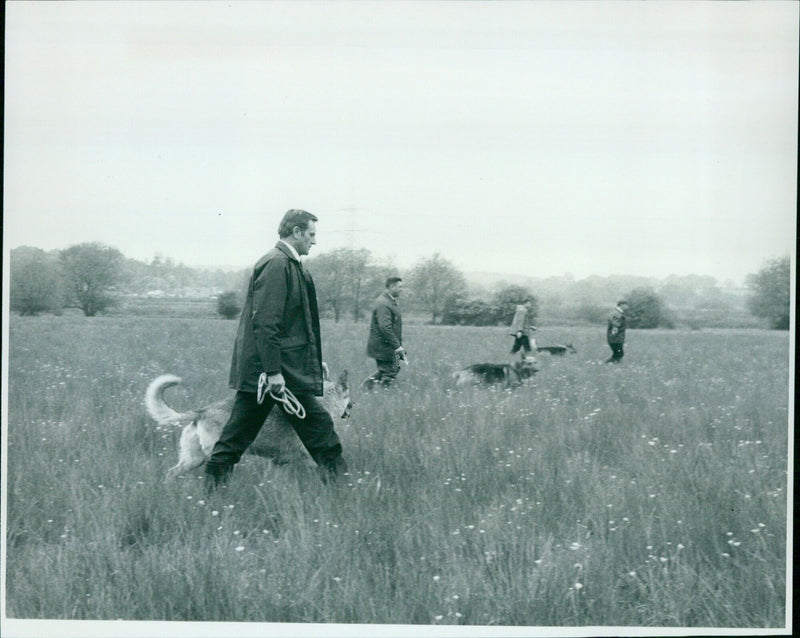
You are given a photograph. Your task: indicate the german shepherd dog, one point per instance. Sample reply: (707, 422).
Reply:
(508, 375)
(557, 350)
(276, 440)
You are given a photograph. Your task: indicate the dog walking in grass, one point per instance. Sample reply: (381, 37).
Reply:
(557, 350)
(276, 440)
(505, 375)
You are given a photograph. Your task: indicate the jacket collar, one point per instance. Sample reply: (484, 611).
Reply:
(389, 296)
(287, 250)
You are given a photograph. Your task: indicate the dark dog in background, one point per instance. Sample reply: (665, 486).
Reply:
(507, 375)
(557, 350)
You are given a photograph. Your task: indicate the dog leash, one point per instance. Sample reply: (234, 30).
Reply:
(287, 400)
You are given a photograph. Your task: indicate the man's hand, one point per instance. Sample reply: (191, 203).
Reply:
(400, 352)
(276, 383)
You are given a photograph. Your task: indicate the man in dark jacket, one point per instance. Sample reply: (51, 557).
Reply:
(615, 333)
(279, 335)
(385, 343)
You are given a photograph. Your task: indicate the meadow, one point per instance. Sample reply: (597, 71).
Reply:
(648, 494)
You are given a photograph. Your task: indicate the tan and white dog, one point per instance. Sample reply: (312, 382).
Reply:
(276, 440)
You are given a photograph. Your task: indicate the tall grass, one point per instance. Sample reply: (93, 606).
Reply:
(652, 493)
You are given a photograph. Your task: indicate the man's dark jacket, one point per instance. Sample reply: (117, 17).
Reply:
(615, 333)
(279, 327)
(385, 328)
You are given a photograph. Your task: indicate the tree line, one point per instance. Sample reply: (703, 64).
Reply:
(91, 277)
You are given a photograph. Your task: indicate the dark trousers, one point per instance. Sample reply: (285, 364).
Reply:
(616, 353)
(387, 372)
(521, 342)
(247, 416)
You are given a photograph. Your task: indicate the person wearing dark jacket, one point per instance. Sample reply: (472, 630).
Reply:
(279, 335)
(385, 343)
(615, 332)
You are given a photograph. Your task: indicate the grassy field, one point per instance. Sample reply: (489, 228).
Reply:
(649, 494)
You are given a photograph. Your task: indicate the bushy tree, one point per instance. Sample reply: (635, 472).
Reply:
(461, 311)
(228, 304)
(647, 310)
(342, 279)
(332, 281)
(36, 282)
(770, 293)
(358, 273)
(507, 299)
(92, 271)
(432, 281)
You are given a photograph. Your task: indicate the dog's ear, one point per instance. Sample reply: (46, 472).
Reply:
(343, 379)
(326, 375)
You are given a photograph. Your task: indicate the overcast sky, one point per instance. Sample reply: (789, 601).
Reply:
(513, 137)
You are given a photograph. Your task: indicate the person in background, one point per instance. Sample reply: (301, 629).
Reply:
(279, 335)
(385, 343)
(615, 333)
(522, 330)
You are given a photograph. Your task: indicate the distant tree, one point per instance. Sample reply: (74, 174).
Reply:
(36, 282)
(357, 272)
(228, 304)
(647, 310)
(92, 271)
(432, 281)
(331, 278)
(770, 292)
(507, 299)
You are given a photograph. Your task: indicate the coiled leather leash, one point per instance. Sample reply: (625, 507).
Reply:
(288, 401)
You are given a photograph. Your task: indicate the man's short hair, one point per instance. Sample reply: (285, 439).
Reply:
(393, 280)
(294, 217)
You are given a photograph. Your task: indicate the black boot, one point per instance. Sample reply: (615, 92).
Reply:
(330, 471)
(216, 477)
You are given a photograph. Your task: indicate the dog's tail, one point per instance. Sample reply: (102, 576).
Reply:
(156, 405)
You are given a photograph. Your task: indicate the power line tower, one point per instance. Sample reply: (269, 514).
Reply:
(352, 227)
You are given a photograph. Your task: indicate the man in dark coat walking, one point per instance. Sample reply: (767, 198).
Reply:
(385, 343)
(615, 333)
(279, 335)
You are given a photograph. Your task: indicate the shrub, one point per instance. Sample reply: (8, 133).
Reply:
(647, 310)
(469, 312)
(509, 298)
(770, 289)
(228, 305)
(36, 282)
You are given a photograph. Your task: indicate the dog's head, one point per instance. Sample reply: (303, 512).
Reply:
(526, 369)
(337, 395)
